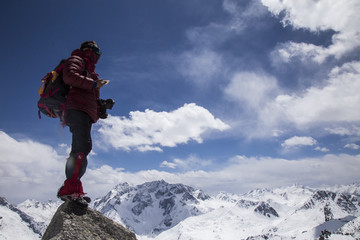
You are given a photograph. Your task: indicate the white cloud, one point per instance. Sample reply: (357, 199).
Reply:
(204, 37)
(200, 65)
(269, 172)
(243, 17)
(322, 149)
(332, 107)
(252, 92)
(342, 131)
(352, 129)
(217, 33)
(252, 89)
(337, 101)
(352, 146)
(341, 16)
(29, 169)
(166, 164)
(150, 130)
(241, 174)
(33, 170)
(98, 181)
(191, 163)
(269, 109)
(298, 141)
(285, 52)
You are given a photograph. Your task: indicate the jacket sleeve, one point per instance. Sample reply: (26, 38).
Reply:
(73, 76)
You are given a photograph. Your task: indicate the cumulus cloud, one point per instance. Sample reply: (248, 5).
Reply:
(191, 163)
(269, 172)
(252, 92)
(29, 168)
(351, 129)
(298, 141)
(270, 109)
(332, 106)
(337, 101)
(241, 174)
(340, 16)
(166, 164)
(322, 149)
(150, 130)
(352, 146)
(252, 89)
(34, 170)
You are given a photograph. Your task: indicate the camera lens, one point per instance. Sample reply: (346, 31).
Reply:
(109, 103)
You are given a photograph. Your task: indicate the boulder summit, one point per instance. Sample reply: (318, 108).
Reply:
(72, 222)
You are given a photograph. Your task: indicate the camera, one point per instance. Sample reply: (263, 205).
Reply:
(104, 105)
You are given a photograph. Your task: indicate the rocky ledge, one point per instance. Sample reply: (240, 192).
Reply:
(73, 222)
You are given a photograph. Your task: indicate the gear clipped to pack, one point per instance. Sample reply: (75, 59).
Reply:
(53, 92)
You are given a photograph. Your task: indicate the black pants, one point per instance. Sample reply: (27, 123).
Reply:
(80, 124)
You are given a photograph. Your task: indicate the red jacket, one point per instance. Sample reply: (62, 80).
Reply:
(79, 73)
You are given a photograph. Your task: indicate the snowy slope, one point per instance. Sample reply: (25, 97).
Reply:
(225, 221)
(302, 213)
(323, 210)
(15, 224)
(41, 212)
(350, 228)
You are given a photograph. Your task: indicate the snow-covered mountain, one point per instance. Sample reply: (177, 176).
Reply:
(152, 207)
(162, 211)
(40, 211)
(294, 212)
(17, 223)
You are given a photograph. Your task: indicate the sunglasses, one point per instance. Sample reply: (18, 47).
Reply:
(96, 50)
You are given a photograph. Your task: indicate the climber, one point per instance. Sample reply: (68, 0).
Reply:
(82, 110)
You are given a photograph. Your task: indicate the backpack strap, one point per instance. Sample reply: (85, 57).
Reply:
(61, 67)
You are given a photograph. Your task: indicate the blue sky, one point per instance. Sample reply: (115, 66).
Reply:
(223, 95)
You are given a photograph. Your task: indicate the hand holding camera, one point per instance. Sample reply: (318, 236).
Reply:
(104, 105)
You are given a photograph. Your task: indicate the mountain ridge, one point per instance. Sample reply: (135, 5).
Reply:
(159, 210)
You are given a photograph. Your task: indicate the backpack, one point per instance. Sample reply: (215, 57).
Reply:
(53, 92)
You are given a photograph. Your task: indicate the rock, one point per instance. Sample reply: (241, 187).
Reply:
(72, 222)
(328, 213)
(246, 203)
(266, 210)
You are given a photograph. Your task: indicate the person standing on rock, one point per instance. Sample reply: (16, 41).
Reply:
(82, 110)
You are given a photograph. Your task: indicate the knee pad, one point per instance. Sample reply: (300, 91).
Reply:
(76, 166)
